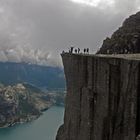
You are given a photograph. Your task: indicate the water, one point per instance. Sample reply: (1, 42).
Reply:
(44, 128)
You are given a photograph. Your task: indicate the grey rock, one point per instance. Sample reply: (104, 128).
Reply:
(138, 137)
(103, 97)
(125, 40)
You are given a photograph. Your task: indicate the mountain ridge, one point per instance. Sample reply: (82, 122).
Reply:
(40, 76)
(125, 40)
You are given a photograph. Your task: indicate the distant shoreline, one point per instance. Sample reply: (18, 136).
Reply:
(21, 122)
(30, 119)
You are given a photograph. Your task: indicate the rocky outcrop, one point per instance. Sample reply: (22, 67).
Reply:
(126, 39)
(21, 103)
(103, 97)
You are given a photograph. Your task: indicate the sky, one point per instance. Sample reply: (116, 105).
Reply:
(37, 31)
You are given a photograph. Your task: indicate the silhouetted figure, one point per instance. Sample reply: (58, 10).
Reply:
(63, 52)
(75, 50)
(78, 50)
(84, 51)
(87, 50)
(71, 49)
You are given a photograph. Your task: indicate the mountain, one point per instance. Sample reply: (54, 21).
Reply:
(40, 76)
(21, 103)
(125, 40)
(103, 100)
(103, 97)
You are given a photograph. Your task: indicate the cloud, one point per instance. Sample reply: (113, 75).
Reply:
(36, 31)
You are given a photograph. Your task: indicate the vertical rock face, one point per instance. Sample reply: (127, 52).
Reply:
(103, 98)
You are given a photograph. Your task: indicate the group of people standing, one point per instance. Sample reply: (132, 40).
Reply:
(77, 50)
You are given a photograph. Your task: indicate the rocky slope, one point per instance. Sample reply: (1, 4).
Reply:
(126, 39)
(57, 97)
(21, 103)
(103, 97)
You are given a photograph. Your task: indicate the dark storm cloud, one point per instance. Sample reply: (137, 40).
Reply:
(36, 31)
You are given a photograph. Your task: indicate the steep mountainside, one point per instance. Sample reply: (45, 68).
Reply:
(103, 91)
(21, 103)
(126, 39)
(103, 97)
(40, 76)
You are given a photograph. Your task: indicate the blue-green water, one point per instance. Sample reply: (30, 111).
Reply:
(44, 128)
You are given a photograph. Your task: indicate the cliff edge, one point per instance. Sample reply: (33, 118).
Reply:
(103, 97)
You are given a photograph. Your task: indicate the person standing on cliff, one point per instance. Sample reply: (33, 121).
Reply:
(75, 50)
(71, 49)
(87, 50)
(84, 51)
(78, 50)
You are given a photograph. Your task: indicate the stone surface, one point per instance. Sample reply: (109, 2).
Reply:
(103, 98)
(126, 39)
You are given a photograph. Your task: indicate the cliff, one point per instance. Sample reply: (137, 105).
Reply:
(103, 97)
(126, 39)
